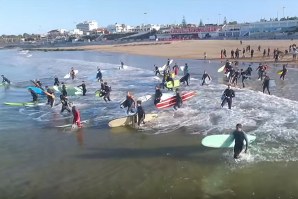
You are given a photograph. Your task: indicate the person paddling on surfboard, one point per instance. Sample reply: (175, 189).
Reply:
(284, 72)
(5, 80)
(227, 97)
(157, 96)
(34, 95)
(83, 85)
(76, 117)
(239, 136)
(72, 73)
(205, 75)
(130, 103)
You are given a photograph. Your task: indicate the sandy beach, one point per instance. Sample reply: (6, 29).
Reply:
(195, 49)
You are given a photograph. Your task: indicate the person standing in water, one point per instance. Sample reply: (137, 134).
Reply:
(121, 66)
(99, 75)
(140, 112)
(56, 81)
(185, 70)
(157, 96)
(205, 75)
(107, 90)
(76, 117)
(130, 103)
(176, 69)
(178, 100)
(266, 84)
(5, 80)
(34, 95)
(64, 92)
(284, 72)
(72, 73)
(65, 104)
(239, 136)
(156, 69)
(83, 85)
(227, 96)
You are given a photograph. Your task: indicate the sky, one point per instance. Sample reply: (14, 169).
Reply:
(41, 16)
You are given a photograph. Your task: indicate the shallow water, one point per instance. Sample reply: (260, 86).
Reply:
(163, 160)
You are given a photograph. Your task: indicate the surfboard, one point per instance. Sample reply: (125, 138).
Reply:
(221, 69)
(130, 120)
(223, 141)
(71, 91)
(70, 125)
(23, 104)
(98, 94)
(164, 66)
(182, 68)
(145, 98)
(228, 74)
(36, 90)
(272, 83)
(67, 76)
(172, 100)
(207, 81)
(169, 84)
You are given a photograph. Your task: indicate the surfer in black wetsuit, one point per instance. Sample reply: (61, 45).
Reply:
(235, 77)
(34, 95)
(38, 83)
(83, 85)
(248, 70)
(56, 81)
(99, 75)
(50, 96)
(156, 70)
(178, 100)
(185, 70)
(157, 96)
(140, 112)
(106, 90)
(64, 92)
(122, 66)
(227, 96)
(130, 103)
(65, 104)
(239, 136)
(244, 77)
(284, 72)
(72, 73)
(5, 80)
(50, 91)
(185, 78)
(266, 84)
(205, 75)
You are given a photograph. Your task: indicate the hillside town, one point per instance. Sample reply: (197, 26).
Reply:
(90, 32)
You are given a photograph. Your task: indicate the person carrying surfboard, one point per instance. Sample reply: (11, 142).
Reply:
(76, 117)
(72, 73)
(266, 83)
(129, 102)
(65, 104)
(83, 86)
(283, 72)
(186, 79)
(227, 97)
(5, 80)
(205, 75)
(140, 112)
(157, 96)
(239, 136)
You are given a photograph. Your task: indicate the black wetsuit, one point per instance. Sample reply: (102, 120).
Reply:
(141, 115)
(99, 75)
(107, 91)
(56, 81)
(157, 71)
(178, 101)
(157, 96)
(205, 75)
(5, 80)
(227, 97)
(239, 137)
(65, 105)
(248, 71)
(50, 100)
(235, 78)
(129, 103)
(83, 88)
(64, 92)
(72, 74)
(283, 74)
(185, 78)
(266, 85)
(244, 77)
(34, 96)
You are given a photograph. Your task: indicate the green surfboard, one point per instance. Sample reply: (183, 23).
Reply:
(23, 104)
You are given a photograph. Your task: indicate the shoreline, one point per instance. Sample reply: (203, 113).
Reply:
(193, 49)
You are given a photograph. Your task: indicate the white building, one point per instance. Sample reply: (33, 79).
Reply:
(122, 28)
(87, 26)
(76, 32)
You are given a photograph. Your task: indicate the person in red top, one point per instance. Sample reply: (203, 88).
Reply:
(76, 117)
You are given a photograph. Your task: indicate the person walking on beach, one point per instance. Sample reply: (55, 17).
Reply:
(266, 84)
(252, 53)
(284, 72)
(232, 54)
(268, 52)
(239, 136)
(264, 52)
(227, 97)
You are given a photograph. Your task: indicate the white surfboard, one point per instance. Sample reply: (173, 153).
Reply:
(145, 98)
(221, 69)
(164, 66)
(67, 76)
(182, 68)
(223, 141)
(130, 120)
(70, 125)
(207, 81)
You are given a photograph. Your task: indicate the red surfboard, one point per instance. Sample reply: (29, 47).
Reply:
(172, 100)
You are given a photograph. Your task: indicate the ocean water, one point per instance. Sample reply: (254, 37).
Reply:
(165, 158)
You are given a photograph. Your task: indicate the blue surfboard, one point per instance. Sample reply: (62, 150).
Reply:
(36, 90)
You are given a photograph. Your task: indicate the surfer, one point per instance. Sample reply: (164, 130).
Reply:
(248, 70)
(157, 96)
(239, 136)
(83, 85)
(205, 75)
(130, 103)
(34, 95)
(261, 69)
(227, 96)
(121, 66)
(284, 72)
(178, 100)
(98, 75)
(56, 81)
(185, 78)
(72, 73)
(76, 117)
(176, 69)
(266, 84)
(235, 77)
(64, 92)
(50, 91)
(50, 96)
(37, 83)
(140, 112)
(106, 92)
(5, 80)
(156, 70)
(243, 74)
(185, 70)
(169, 79)
(65, 104)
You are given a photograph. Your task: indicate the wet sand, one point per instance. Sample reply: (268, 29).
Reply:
(195, 49)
